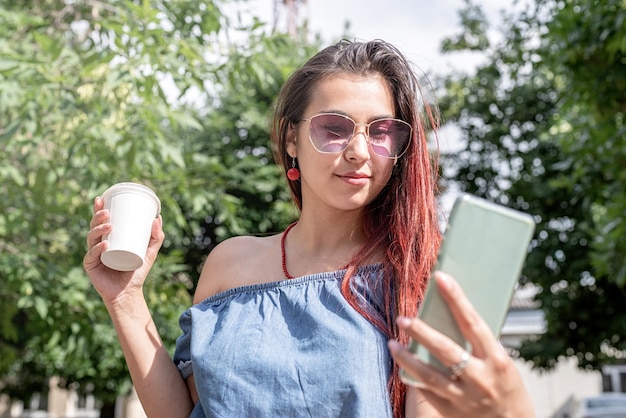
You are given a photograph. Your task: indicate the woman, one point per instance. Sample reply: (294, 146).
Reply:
(314, 321)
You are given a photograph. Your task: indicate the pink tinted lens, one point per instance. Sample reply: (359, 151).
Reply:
(330, 133)
(388, 137)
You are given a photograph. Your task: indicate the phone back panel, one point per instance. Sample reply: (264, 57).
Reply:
(484, 248)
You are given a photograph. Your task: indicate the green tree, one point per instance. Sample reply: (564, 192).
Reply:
(542, 128)
(238, 132)
(92, 93)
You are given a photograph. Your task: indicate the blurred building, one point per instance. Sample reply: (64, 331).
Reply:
(61, 403)
(556, 392)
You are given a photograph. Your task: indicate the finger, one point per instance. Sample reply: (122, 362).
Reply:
(429, 378)
(94, 236)
(91, 260)
(447, 351)
(157, 236)
(100, 216)
(98, 204)
(157, 226)
(473, 327)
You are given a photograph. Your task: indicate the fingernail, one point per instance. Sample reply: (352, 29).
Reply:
(443, 279)
(394, 346)
(403, 321)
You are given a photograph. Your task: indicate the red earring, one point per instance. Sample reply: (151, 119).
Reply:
(293, 173)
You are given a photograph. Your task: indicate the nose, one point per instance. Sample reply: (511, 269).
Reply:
(358, 147)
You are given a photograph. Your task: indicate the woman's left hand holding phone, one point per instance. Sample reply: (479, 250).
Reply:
(487, 384)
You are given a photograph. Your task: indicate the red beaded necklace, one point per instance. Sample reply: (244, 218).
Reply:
(282, 251)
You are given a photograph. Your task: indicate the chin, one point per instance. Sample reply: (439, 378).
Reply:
(355, 203)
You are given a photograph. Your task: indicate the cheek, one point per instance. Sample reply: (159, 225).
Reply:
(314, 165)
(385, 172)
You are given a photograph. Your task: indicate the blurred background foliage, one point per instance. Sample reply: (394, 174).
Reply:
(541, 123)
(173, 94)
(176, 95)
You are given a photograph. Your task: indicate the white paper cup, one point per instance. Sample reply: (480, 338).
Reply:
(132, 208)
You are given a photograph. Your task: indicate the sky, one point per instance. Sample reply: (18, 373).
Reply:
(416, 27)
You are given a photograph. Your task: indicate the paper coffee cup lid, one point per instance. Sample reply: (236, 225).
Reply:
(125, 187)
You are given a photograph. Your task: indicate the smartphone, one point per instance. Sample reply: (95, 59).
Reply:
(484, 248)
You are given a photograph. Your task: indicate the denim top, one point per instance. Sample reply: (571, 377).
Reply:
(292, 348)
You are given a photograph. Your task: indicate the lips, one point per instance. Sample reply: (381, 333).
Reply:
(354, 175)
(354, 178)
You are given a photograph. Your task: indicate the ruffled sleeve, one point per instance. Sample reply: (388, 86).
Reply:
(182, 355)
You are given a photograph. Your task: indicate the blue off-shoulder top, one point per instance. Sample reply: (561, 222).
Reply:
(293, 348)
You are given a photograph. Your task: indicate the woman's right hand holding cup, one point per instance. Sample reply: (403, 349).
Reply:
(113, 285)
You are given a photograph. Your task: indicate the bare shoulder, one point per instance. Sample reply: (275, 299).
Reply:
(239, 261)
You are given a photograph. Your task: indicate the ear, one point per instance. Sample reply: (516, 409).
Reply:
(290, 142)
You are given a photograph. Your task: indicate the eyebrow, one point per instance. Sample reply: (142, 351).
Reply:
(339, 112)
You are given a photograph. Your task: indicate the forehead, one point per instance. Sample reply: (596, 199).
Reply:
(355, 95)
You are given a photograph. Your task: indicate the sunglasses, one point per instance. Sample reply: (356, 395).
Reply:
(331, 133)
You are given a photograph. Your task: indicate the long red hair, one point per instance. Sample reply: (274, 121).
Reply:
(401, 222)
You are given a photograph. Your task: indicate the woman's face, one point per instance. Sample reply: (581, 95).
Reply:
(350, 179)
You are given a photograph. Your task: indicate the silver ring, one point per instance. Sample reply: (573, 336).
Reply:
(457, 369)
